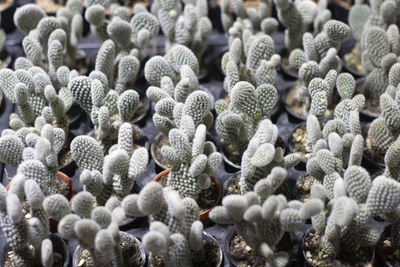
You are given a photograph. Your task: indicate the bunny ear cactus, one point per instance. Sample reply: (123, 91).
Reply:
(385, 129)
(295, 17)
(191, 28)
(346, 223)
(174, 103)
(42, 165)
(192, 162)
(96, 231)
(27, 238)
(113, 174)
(260, 63)
(237, 122)
(170, 217)
(261, 157)
(261, 218)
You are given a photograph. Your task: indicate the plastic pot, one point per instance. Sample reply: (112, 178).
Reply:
(308, 264)
(232, 180)
(364, 114)
(203, 215)
(292, 116)
(367, 162)
(288, 73)
(339, 11)
(345, 48)
(79, 249)
(381, 257)
(7, 17)
(206, 237)
(228, 164)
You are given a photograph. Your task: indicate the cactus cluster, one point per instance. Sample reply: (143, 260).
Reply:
(261, 218)
(27, 236)
(353, 201)
(107, 107)
(50, 42)
(186, 24)
(96, 230)
(176, 234)
(185, 99)
(113, 174)
(261, 158)
(131, 36)
(34, 152)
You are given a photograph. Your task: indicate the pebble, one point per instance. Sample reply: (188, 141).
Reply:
(81, 262)
(308, 254)
(387, 243)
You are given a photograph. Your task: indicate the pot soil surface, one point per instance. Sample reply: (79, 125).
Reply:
(211, 257)
(303, 187)
(318, 257)
(298, 142)
(390, 252)
(245, 256)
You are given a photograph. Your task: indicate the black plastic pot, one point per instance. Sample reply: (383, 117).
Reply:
(364, 114)
(371, 165)
(302, 164)
(288, 74)
(381, 257)
(228, 164)
(7, 17)
(206, 236)
(339, 11)
(292, 116)
(79, 249)
(345, 48)
(233, 179)
(303, 250)
(301, 178)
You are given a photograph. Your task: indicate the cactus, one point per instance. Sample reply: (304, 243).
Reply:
(193, 159)
(27, 236)
(186, 98)
(113, 174)
(190, 28)
(347, 222)
(261, 158)
(34, 152)
(296, 17)
(237, 122)
(96, 230)
(108, 108)
(384, 130)
(131, 36)
(261, 218)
